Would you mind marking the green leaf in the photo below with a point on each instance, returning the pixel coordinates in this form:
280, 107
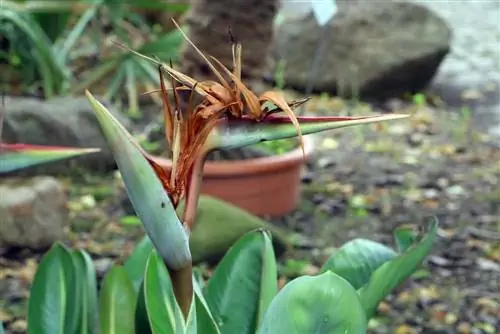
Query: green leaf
18, 156
52, 72
356, 260
204, 317
323, 304
239, 133
54, 303
136, 262
141, 313
210, 238
243, 284
89, 318
1, 328
147, 195
394, 272
117, 303
163, 311
405, 237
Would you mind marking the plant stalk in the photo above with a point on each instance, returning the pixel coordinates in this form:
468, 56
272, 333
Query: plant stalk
182, 284
193, 193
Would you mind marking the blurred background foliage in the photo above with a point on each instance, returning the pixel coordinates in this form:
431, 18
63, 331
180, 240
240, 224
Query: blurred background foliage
50, 48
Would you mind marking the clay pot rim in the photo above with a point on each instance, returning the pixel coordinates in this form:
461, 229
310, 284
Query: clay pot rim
262, 165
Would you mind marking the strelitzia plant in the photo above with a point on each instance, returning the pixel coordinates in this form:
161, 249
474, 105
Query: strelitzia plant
14, 157
156, 291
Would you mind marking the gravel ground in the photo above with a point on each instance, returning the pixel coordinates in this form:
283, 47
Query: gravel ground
470, 74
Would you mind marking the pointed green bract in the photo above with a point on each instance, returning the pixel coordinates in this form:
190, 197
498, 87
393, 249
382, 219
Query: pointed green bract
18, 156
239, 133
146, 192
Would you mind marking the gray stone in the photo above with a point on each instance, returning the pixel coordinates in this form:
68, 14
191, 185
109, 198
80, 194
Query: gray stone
33, 212
62, 121
376, 49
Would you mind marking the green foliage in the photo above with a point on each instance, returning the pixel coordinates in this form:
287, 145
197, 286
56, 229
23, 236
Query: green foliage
45, 41
241, 295
20, 156
117, 302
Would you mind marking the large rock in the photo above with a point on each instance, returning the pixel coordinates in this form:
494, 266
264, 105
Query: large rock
33, 212
377, 49
62, 121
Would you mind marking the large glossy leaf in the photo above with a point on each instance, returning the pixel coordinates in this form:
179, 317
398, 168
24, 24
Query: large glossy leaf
323, 304
243, 284
164, 314
394, 272
55, 297
238, 133
356, 260
136, 262
145, 190
117, 303
89, 315
18, 156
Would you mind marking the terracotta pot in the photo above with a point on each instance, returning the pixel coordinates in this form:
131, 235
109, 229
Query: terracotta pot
268, 186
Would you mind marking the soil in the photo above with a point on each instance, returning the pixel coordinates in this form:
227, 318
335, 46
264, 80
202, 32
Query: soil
363, 182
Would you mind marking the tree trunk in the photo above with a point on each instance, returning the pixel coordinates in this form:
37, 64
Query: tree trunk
251, 23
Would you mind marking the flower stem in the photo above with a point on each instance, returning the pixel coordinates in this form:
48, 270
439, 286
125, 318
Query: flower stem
182, 284
193, 193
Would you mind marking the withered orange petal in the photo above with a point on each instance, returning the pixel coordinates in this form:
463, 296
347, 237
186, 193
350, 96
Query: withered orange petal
279, 100
250, 97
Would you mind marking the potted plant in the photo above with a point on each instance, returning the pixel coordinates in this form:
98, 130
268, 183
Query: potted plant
264, 178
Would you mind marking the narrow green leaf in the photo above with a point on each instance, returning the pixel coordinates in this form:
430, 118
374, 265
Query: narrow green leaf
191, 326
243, 284
394, 272
164, 314
141, 313
50, 300
150, 201
136, 262
63, 46
405, 237
52, 72
323, 304
240, 133
117, 303
18, 156
204, 317
89, 319
356, 260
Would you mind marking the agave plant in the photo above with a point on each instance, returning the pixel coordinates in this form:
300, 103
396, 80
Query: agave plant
156, 291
